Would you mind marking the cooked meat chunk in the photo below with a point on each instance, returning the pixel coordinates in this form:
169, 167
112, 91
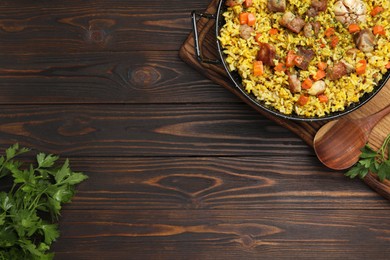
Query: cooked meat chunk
294, 83
266, 54
316, 27
231, 3
340, 10
311, 12
317, 88
245, 31
308, 30
337, 71
296, 25
319, 5
350, 11
316, 7
365, 40
307, 56
352, 52
276, 5
311, 29
350, 68
287, 18
292, 22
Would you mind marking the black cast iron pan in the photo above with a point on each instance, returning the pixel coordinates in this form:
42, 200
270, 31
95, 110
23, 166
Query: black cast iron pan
236, 78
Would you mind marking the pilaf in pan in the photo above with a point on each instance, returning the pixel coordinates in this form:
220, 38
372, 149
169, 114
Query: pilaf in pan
307, 57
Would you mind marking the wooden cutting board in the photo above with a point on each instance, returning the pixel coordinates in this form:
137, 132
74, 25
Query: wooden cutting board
306, 131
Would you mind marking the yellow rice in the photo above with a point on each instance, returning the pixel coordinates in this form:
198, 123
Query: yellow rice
273, 88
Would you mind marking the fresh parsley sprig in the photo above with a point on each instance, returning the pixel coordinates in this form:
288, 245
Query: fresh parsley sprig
377, 162
31, 202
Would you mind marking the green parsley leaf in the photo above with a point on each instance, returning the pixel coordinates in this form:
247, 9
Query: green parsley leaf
2, 219
384, 171
63, 194
372, 161
8, 237
45, 161
11, 151
63, 172
14, 150
374, 167
75, 178
368, 152
30, 248
36, 188
54, 207
19, 175
50, 232
367, 162
359, 170
5, 201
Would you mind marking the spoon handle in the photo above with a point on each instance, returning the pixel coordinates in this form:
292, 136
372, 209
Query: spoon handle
369, 122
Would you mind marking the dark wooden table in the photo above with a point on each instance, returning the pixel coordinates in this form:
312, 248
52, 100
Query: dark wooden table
179, 168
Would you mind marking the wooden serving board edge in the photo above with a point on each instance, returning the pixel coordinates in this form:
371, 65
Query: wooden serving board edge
304, 130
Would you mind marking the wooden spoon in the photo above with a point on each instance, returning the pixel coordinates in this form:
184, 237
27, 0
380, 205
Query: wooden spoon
338, 143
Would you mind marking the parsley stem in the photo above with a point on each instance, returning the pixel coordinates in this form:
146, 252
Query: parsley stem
384, 147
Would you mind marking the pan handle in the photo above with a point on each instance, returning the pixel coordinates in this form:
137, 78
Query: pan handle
195, 15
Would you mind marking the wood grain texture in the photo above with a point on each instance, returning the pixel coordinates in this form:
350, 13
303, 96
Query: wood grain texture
305, 130
217, 183
221, 234
147, 130
334, 138
73, 26
128, 77
179, 168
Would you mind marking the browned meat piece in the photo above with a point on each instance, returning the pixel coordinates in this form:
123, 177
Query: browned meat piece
292, 22
337, 71
311, 12
266, 54
319, 5
307, 56
308, 30
350, 68
365, 40
245, 31
296, 25
287, 18
316, 27
231, 3
352, 52
294, 83
276, 5
311, 29
316, 7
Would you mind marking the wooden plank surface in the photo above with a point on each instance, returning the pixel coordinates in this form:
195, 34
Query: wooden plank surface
125, 77
217, 183
179, 168
111, 26
305, 130
219, 234
145, 129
